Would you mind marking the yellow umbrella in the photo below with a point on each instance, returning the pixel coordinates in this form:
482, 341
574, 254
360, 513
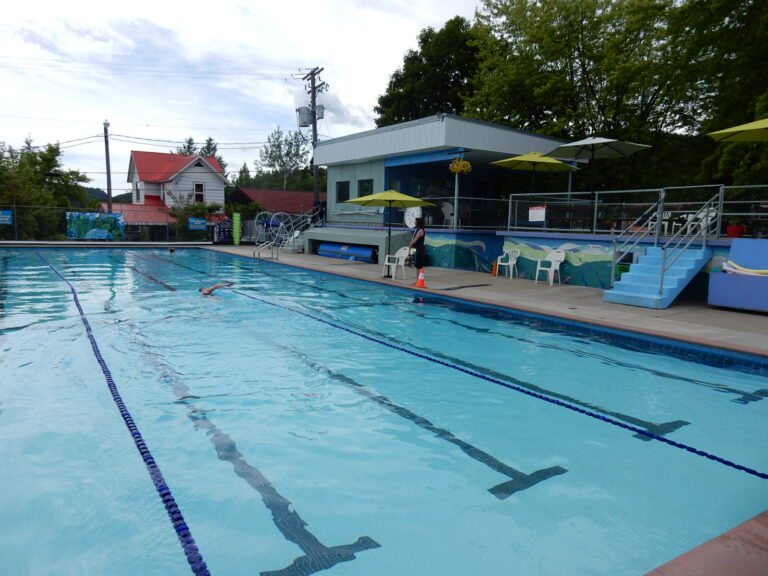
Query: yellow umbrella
751, 132
534, 162
390, 199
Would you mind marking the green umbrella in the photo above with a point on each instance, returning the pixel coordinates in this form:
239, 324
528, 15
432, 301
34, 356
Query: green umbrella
752, 132
534, 162
389, 199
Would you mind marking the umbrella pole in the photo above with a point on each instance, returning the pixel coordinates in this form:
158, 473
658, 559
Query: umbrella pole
389, 238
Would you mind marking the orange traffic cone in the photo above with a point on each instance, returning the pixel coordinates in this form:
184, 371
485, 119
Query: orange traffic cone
420, 281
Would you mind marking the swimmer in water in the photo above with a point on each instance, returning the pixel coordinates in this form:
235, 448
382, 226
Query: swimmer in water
209, 290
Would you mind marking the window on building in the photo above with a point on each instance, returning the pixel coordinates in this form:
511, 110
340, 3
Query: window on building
364, 187
199, 193
342, 191
138, 195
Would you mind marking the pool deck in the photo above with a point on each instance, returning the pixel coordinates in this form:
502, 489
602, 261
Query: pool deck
742, 550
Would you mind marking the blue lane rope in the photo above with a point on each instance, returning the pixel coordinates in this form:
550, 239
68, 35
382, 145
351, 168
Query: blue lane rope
520, 389
188, 544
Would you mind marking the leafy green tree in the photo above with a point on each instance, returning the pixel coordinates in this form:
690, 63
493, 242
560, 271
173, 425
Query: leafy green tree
578, 68
183, 206
726, 42
284, 154
437, 77
34, 183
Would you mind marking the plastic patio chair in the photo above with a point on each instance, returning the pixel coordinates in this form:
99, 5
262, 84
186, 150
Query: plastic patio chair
551, 266
508, 259
701, 220
393, 262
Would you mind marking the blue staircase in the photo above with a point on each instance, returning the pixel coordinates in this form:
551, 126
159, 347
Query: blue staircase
640, 285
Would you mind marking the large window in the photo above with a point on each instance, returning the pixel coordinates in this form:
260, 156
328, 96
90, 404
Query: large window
364, 187
342, 191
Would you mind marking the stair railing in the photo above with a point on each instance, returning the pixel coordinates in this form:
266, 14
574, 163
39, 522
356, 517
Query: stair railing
703, 224
644, 225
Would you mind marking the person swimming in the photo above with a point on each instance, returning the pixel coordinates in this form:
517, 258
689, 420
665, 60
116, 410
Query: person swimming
207, 291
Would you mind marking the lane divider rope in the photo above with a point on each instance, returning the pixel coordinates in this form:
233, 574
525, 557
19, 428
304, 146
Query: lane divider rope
184, 534
536, 395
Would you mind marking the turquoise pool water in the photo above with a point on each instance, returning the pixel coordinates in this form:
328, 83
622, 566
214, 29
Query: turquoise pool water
299, 423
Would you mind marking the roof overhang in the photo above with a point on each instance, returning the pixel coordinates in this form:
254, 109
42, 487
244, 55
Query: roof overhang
435, 138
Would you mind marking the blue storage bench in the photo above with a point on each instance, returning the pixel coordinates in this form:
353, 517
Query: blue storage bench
346, 251
742, 290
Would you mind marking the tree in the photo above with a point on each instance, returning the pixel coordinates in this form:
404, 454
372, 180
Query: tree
34, 183
578, 68
725, 39
435, 78
243, 178
189, 148
182, 207
284, 154
208, 150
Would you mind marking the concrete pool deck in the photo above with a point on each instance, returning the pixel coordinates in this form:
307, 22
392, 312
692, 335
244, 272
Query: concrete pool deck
742, 550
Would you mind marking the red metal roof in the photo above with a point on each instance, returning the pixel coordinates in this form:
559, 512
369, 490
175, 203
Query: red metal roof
153, 211
290, 201
159, 167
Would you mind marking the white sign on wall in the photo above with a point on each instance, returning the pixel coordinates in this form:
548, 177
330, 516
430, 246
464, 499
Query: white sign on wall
537, 213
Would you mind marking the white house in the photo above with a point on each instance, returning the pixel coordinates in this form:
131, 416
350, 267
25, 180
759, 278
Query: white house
175, 179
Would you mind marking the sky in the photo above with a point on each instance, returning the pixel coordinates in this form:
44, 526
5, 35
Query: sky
163, 71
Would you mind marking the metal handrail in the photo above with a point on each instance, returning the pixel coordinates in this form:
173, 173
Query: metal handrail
698, 225
274, 250
640, 229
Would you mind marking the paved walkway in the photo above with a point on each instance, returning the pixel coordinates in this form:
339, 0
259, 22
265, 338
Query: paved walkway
687, 321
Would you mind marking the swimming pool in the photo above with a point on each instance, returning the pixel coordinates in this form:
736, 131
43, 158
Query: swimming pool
300, 422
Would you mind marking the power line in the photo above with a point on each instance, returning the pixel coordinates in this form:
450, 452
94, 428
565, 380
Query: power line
133, 69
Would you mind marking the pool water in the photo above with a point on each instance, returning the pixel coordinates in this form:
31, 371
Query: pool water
308, 423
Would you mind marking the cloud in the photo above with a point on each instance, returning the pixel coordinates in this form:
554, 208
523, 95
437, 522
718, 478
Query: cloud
165, 71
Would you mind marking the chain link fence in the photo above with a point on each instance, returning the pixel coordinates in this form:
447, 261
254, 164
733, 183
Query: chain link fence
56, 223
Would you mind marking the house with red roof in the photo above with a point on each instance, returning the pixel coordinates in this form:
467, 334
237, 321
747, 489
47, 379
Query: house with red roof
160, 181
288, 201
176, 178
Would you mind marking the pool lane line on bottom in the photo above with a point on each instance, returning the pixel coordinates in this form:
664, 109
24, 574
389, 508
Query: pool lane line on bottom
660, 429
516, 388
522, 390
291, 525
518, 480
184, 534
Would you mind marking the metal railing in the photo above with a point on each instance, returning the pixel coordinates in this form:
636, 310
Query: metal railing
600, 212
701, 225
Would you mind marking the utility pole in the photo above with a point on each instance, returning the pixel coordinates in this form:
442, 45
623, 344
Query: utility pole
314, 86
109, 171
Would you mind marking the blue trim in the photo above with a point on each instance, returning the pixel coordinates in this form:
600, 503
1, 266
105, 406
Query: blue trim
423, 157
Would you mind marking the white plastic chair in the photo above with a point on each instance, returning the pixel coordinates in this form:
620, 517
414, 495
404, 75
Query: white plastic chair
701, 220
448, 216
393, 262
551, 266
508, 259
